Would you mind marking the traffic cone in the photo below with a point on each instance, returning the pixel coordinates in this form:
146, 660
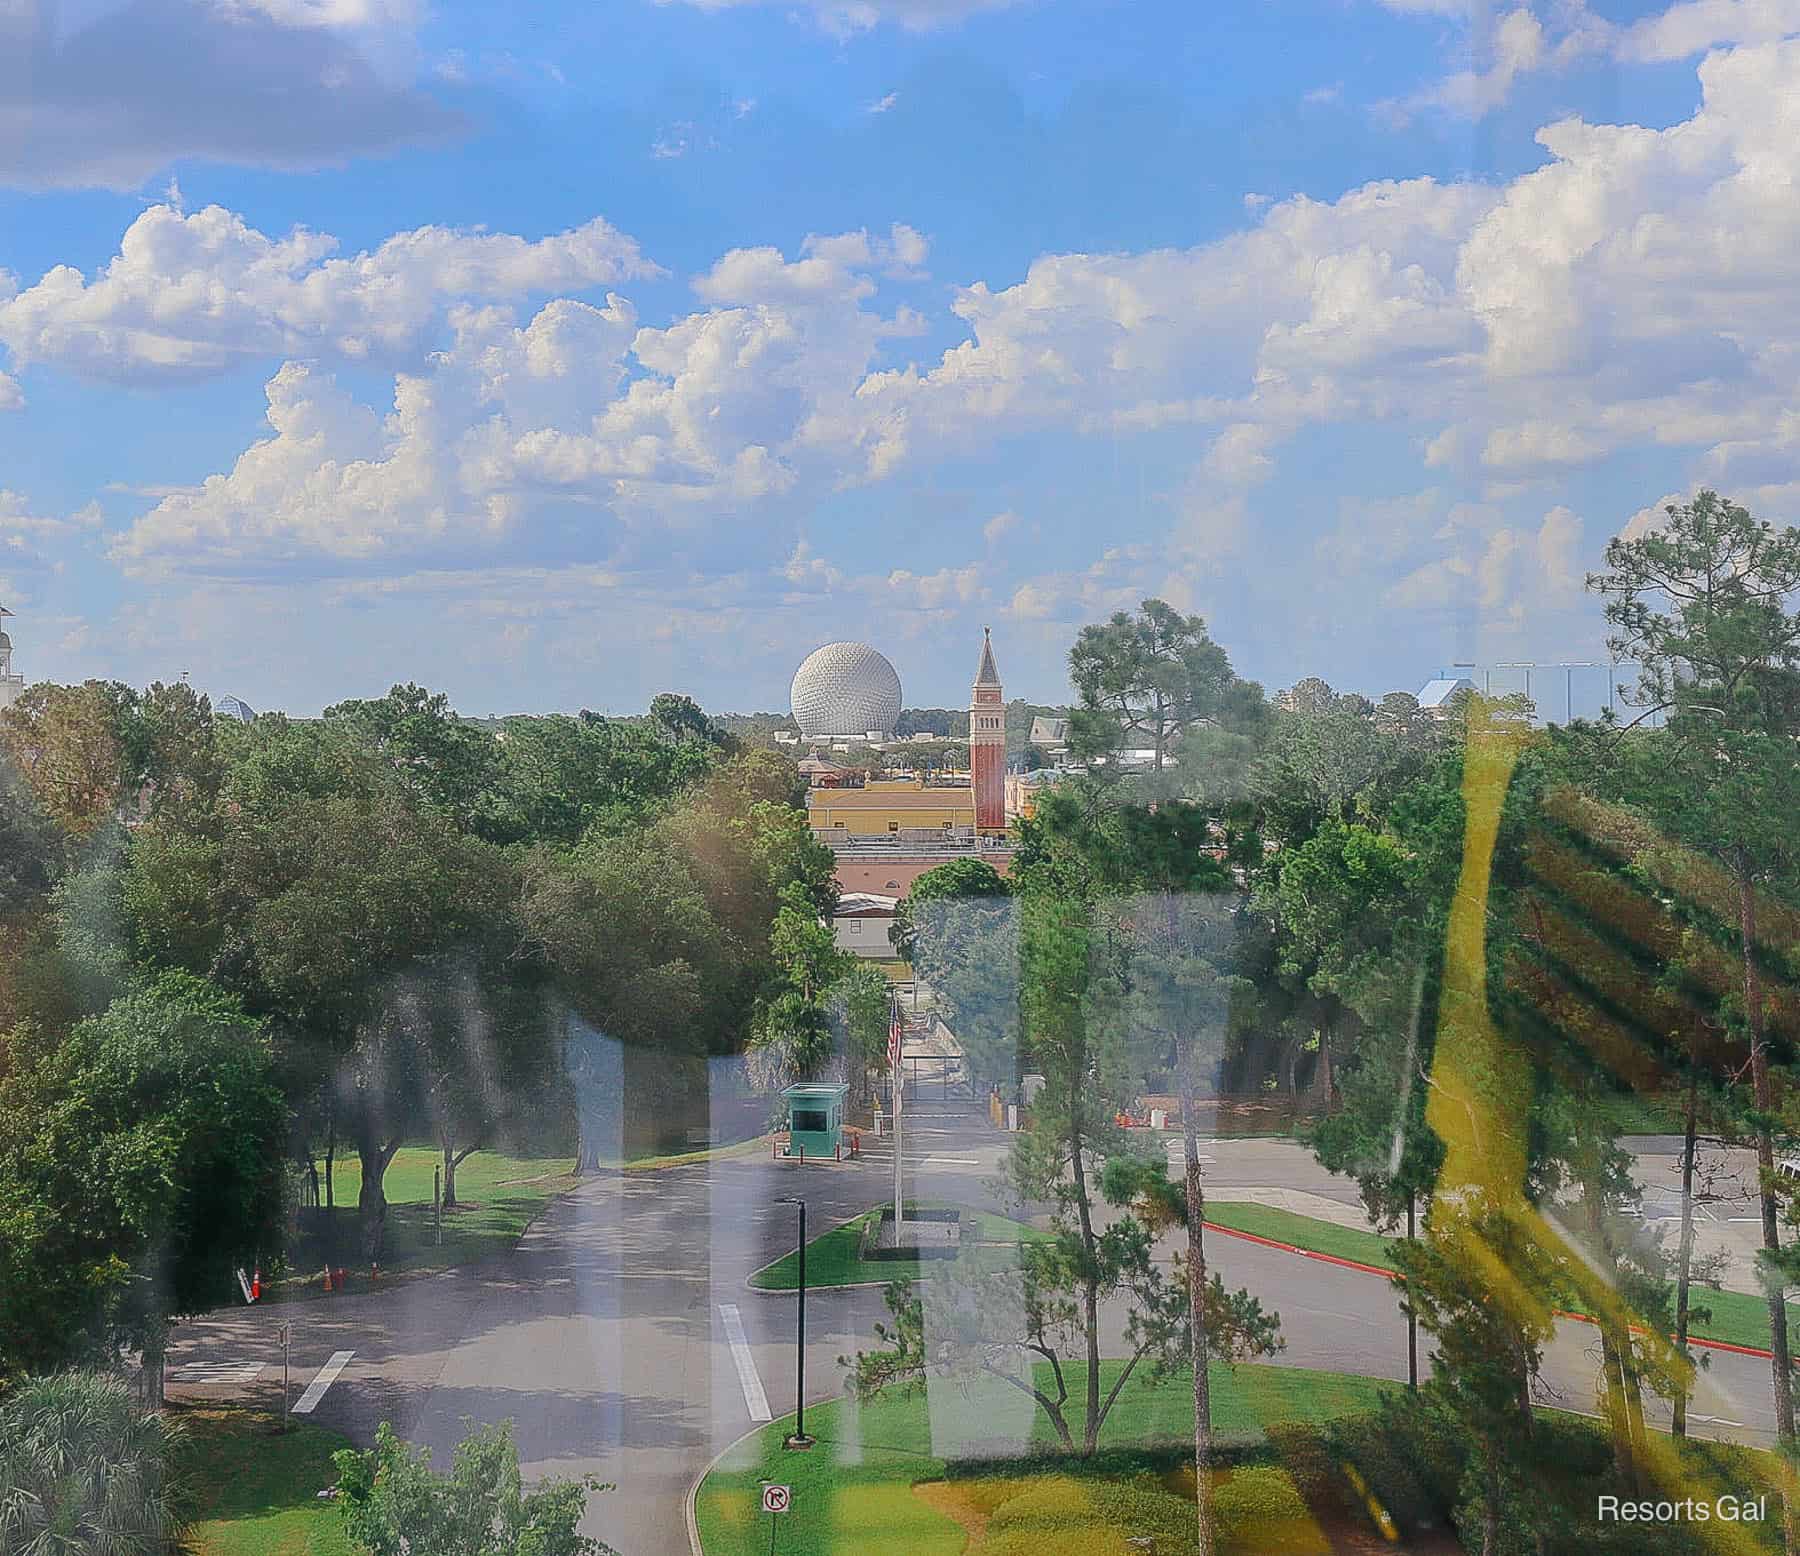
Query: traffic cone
328, 1277
256, 1285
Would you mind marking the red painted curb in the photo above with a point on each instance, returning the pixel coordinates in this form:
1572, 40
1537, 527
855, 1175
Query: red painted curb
1304, 1253
1395, 1275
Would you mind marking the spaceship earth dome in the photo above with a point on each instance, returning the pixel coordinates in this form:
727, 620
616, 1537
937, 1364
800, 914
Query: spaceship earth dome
845, 689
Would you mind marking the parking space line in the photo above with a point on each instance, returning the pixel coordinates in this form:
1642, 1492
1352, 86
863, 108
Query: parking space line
755, 1400
328, 1375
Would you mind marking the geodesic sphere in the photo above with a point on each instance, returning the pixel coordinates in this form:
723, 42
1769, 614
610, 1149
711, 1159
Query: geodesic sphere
845, 689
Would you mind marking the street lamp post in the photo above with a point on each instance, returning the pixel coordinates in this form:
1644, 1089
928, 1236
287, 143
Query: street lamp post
799, 1439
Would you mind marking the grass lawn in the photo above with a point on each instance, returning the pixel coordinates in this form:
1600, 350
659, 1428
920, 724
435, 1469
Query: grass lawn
1284, 1226
499, 1196
257, 1488
1737, 1317
852, 1492
831, 1257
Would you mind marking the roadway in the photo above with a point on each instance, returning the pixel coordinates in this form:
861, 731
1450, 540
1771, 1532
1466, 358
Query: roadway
607, 1335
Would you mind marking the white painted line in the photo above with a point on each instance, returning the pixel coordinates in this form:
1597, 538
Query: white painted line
1751, 1220
1715, 1420
755, 1400
328, 1375
952, 1161
216, 1372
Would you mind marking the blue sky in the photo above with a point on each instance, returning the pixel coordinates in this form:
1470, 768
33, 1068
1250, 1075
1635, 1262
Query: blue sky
556, 356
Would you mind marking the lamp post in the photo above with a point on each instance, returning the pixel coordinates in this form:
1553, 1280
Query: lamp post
799, 1439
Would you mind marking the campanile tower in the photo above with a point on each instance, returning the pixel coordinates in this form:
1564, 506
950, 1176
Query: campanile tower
987, 743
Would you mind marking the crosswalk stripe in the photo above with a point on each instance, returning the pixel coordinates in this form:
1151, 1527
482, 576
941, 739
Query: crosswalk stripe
216, 1372
315, 1391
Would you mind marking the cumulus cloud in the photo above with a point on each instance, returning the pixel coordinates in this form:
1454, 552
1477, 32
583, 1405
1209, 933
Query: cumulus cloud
193, 295
580, 413
1634, 291
1522, 43
1693, 26
12, 397
276, 83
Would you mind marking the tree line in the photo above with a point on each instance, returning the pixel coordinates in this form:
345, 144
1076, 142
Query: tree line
230, 951
1492, 951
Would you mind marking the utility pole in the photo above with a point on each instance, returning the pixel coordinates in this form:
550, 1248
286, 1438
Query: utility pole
799, 1439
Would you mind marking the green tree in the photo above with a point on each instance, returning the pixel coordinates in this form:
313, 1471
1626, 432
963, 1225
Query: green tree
958, 880
1704, 605
84, 1467
860, 1006
450, 764
395, 1504
1490, 1340
140, 1163
1147, 678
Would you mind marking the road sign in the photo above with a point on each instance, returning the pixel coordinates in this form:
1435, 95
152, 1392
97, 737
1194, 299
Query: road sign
776, 1499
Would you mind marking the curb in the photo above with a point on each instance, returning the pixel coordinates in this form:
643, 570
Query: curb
1304, 1253
1395, 1276
693, 1491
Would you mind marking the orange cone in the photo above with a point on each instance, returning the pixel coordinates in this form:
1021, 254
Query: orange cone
328, 1277
256, 1285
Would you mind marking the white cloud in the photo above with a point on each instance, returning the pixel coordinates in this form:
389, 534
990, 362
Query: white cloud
1520, 44
31, 541
608, 427
1634, 291
883, 104
999, 527
12, 397
1693, 26
844, 17
192, 295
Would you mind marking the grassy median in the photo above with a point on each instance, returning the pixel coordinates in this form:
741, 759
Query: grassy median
833, 1257
875, 1481
1736, 1317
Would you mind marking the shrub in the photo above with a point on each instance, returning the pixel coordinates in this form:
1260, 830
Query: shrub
83, 1468
1260, 1511
1084, 1517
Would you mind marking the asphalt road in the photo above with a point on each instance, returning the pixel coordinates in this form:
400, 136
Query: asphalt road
605, 1336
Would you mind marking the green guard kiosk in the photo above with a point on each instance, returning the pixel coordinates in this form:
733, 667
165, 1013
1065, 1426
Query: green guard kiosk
815, 1119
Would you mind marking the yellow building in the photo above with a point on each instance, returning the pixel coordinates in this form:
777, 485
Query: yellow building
906, 808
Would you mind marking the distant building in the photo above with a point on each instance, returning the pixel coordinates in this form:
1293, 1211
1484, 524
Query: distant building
1435, 695
861, 924
987, 742
1050, 735
229, 707
12, 687
846, 691
1022, 790
903, 809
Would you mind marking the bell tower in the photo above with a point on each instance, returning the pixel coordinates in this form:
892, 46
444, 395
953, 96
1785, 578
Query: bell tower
12, 686
987, 743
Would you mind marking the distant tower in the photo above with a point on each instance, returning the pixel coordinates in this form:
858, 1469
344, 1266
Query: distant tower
12, 687
987, 743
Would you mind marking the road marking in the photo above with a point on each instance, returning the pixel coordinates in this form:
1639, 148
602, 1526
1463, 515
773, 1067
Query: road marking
328, 1375
755, 1400
952, 1161
216, 1372
1715, 1420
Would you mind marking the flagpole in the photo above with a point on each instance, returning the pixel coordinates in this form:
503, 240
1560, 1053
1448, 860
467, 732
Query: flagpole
895, 1045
